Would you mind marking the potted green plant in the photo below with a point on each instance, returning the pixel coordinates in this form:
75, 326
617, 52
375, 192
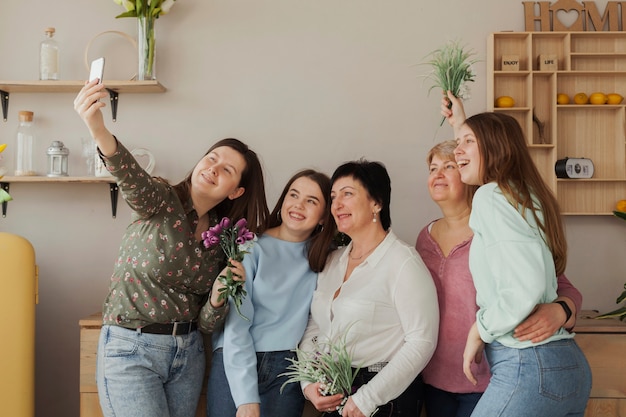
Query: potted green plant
619, 313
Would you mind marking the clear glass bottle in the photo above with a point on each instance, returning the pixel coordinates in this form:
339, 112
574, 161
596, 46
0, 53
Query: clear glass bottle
49, 57
25, 144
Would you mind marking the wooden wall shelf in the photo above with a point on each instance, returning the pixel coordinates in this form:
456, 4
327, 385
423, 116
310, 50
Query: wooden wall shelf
6, 181
151, 86
113, 87
587, 62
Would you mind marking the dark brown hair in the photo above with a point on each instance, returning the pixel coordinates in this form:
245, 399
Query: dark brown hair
319, 246
374, 177
252, 205
506, 160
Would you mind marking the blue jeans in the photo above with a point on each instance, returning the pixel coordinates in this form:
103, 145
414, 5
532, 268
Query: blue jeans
440, 403
289, 403
553, 380
148, 375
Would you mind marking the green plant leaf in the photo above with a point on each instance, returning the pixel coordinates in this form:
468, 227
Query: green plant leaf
620, 313
620, 214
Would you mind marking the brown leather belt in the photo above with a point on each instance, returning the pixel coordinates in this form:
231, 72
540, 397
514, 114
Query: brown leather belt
174, 329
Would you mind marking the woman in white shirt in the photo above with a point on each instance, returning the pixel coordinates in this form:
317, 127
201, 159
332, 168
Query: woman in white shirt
378, 292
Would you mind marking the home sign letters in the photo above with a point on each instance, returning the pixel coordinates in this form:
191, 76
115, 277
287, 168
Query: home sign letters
570, 15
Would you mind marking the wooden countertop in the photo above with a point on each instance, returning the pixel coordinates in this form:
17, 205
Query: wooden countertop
94, 320
586, 323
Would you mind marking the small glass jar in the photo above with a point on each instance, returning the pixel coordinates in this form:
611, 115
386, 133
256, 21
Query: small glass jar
57, 159
49, 56
24, 145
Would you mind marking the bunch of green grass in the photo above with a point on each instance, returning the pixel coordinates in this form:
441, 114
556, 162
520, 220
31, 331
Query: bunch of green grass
329, 363
451, 68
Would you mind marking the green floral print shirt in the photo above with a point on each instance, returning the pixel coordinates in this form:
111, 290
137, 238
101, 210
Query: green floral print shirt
162, 273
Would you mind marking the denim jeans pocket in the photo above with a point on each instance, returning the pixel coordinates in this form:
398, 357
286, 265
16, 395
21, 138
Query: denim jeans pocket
271, 364
559, 370
118, 345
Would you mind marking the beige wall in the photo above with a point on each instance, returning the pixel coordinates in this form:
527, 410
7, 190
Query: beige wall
306, 83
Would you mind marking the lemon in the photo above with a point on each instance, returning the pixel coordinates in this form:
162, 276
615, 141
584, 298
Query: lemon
621, 205
581, 98
598, 98
3, 147
614, 98
505, 101
562, 98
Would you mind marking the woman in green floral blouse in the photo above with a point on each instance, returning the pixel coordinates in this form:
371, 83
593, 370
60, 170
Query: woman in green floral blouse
150, 355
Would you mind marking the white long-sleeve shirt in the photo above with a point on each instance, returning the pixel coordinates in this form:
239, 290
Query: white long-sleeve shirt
389, 304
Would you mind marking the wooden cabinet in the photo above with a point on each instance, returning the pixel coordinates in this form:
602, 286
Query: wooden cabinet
89, 335
586, 62
604, 345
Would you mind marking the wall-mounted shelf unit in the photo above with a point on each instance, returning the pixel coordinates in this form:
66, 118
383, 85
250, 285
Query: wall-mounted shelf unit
115, 88
6, 181
588, 62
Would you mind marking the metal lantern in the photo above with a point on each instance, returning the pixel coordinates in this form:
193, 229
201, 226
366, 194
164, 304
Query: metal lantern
57, 159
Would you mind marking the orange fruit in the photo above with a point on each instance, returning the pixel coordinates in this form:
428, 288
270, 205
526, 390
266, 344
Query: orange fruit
581, 98
562, 98
621, 205
598, 98
614, 98
505, 101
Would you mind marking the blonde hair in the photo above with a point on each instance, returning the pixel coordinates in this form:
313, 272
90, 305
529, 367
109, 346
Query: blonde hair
445, 151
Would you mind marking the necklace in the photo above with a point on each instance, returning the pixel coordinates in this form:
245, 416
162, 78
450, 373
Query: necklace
356, 258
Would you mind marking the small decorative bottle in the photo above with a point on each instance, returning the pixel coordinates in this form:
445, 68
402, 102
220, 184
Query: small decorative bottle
49, 57
25, 143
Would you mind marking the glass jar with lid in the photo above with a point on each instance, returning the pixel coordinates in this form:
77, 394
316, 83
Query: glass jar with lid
25, 145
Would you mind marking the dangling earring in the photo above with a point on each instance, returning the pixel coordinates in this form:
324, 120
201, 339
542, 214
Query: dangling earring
278, 217
374, 217
319, 228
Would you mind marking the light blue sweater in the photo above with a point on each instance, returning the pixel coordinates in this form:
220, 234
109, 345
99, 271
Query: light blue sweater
511, 265
280, 286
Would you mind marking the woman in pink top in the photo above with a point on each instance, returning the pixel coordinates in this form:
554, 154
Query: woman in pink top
444, 246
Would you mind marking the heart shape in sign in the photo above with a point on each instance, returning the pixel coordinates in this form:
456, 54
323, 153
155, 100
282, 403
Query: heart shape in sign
568, 18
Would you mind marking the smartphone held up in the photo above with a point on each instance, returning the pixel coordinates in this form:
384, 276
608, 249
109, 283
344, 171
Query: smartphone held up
97, 69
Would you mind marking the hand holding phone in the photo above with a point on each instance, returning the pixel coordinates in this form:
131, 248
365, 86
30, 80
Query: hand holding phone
97, 69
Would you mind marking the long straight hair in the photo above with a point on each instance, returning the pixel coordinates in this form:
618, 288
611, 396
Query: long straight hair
506, 160
320, 243
252, 205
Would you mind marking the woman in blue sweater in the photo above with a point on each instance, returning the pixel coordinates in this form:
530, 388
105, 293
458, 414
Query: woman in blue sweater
281, 271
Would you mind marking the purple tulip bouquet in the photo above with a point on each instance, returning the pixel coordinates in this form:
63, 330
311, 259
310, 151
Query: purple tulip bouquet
235, 240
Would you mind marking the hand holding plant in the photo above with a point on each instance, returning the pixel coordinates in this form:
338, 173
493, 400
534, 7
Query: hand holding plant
330, 364
451, 69
235, 240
